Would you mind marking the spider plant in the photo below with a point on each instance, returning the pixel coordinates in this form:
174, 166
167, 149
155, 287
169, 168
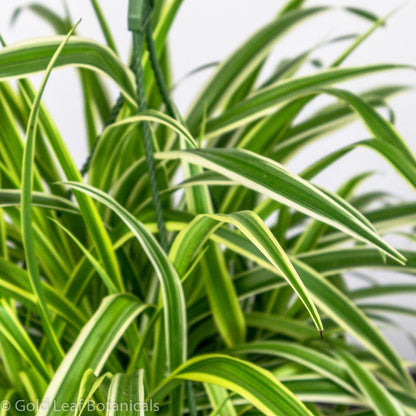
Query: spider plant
150, 277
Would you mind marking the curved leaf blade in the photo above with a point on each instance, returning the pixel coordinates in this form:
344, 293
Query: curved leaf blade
274, 180
199, 230
91, 349
381, 400
26, 58
173, 298
255, 384
265, 100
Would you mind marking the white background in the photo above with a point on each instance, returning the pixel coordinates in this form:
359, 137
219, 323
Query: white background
208, 30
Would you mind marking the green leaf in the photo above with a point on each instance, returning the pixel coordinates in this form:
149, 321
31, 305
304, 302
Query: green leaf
173, 299
221, 293
341, 310
378, 126
321, 390
327, 120
90, 383
89, 212
269, 98
104, 25
291, 5
332, 302
275, 181
126, 395
380, 399
253, 383
101, 272
309, 238
47, 14
394, 289
11, 197
15, 333
385, 219
332, 261
91, 349
321, 363
363, 13
14, 284
220, 401
199, 230
21, 60
227, 77
288, 327
377, 23
158, 117
26, 210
